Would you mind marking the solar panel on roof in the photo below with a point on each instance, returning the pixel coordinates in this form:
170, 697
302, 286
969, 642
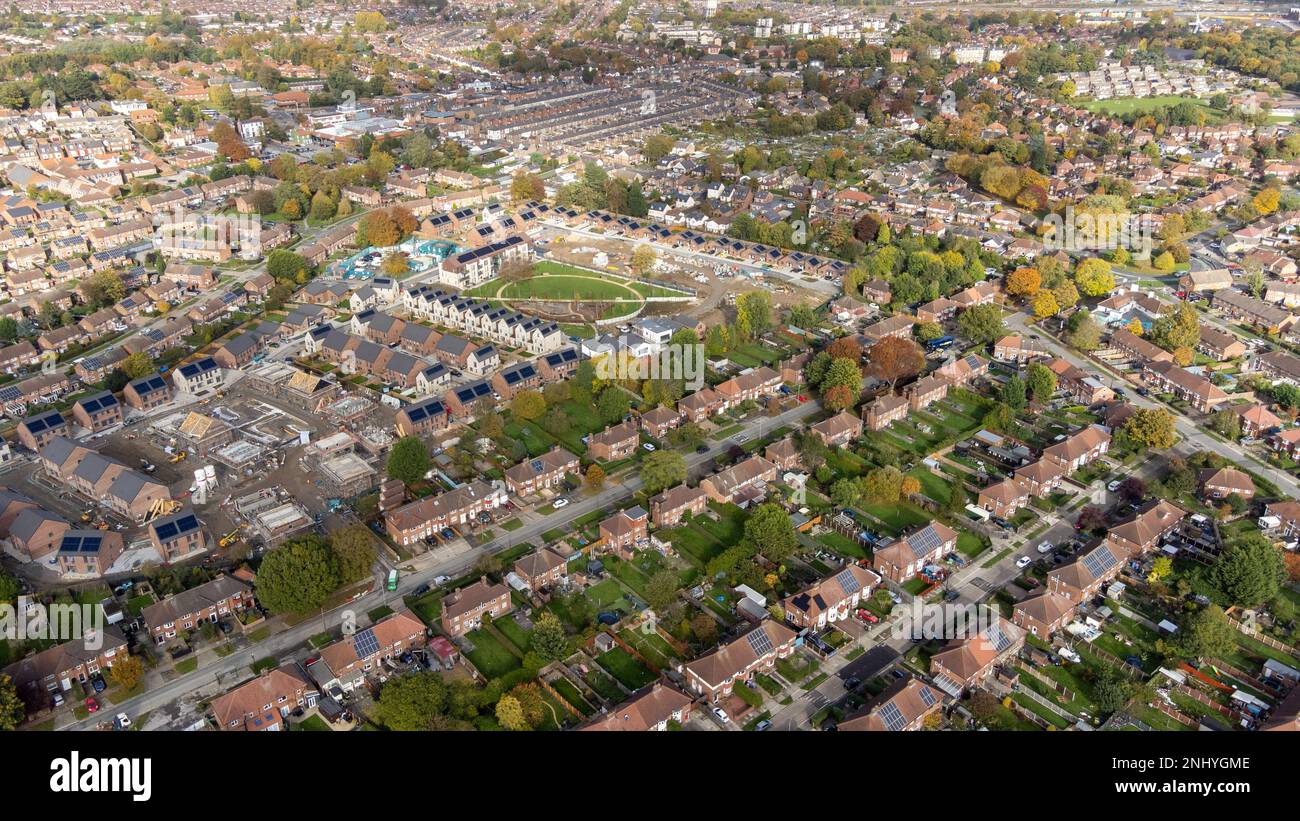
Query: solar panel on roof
927, 696
365, 643
998, 638
847, 582
924, 542
1092, 564
759, 642
892, 717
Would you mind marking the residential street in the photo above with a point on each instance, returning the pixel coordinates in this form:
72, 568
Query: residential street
204, 681
1194, 436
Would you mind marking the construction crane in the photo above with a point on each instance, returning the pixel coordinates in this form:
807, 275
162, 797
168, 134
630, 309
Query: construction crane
229, 539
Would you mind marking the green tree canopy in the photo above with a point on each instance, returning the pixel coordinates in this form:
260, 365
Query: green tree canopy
298, 576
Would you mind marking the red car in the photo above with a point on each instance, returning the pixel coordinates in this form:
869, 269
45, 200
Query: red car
91, 704
868, 616
803, 398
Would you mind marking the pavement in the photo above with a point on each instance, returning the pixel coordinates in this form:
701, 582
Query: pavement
280, 645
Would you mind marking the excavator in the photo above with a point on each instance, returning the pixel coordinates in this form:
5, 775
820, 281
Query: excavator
178, 456
229, 539
162, 507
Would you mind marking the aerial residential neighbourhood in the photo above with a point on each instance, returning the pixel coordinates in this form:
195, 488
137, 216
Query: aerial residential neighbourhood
621, 365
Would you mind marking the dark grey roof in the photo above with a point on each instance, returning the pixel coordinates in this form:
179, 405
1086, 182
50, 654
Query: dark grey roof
58, 449
30, 520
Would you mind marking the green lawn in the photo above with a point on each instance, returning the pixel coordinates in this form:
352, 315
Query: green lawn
573, 695
511, 630
970, 545
631, 673
899, 517
491, 659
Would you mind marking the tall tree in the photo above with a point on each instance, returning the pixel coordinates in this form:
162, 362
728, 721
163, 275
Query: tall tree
408, 460
894, 358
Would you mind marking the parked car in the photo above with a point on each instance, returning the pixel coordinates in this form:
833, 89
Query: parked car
1046, 547
91, 704
1023, 562
647, 447
121, 721
559, 503
762, 726
721, 715
1113, 485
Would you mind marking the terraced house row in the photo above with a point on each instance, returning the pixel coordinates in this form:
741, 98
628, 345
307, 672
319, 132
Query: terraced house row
477, 318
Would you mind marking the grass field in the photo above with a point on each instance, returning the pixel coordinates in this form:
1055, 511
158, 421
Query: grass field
1121, 106
591, 289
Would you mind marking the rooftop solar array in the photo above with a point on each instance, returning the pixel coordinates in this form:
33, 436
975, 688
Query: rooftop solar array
425, 409
892, 716
759, 642
74, 542
98, 402
927, 695
519, 373
1099, 561
478, 390
365, 643
561, 357
44, 422
488, 250
924, 542
202, 366
997, 637
149, 384
178, 526
847, 582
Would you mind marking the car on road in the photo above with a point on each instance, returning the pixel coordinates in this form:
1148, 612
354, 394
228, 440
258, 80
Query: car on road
1046, 547
646, 446
721, 715
421, 590
702, 449
441, 580
1023, 562
1113, 485
559, 503
742, 438
852, 682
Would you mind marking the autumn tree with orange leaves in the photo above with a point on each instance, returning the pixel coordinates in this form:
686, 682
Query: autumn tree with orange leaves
894, 358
